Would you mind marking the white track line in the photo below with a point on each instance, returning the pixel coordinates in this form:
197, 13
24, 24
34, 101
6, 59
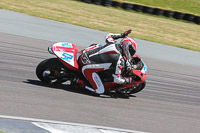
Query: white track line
43, 122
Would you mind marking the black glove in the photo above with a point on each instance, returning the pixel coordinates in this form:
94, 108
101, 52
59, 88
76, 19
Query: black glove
126, 33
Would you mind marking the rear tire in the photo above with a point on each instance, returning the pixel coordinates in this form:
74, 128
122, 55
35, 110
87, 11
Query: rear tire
50, 70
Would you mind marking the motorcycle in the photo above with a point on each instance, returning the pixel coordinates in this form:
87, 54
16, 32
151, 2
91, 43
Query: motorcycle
65, 68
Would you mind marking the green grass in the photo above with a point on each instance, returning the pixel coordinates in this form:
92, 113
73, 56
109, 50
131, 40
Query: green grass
186, 6
148, 27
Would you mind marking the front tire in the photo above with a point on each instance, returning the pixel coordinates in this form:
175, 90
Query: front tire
138, 88
50, 70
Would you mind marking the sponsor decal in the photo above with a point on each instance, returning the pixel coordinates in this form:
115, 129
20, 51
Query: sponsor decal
69, 45
144, 70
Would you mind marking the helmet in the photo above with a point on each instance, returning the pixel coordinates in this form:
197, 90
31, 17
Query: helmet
129, 47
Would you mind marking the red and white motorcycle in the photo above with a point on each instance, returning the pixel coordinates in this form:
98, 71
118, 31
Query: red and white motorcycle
65, 68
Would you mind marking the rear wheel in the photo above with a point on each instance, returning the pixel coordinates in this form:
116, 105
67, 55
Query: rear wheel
51, 71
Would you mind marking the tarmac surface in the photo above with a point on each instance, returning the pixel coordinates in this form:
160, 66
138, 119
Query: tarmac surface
169, 103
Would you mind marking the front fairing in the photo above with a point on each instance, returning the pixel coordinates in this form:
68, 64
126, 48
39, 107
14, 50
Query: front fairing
144, 69
139, 70
138, 73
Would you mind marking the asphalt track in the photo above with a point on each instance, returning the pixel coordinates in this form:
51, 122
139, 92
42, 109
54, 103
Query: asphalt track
169, 103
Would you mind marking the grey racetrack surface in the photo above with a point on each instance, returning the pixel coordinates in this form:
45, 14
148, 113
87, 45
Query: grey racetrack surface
170, 103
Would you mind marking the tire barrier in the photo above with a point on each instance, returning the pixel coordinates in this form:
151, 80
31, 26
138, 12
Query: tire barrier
107, 3
137, 8
97, 2
188, 17
87, 1
127, 6
197, 20
158, 11
116, 4
178, 15
168, 13
146, 9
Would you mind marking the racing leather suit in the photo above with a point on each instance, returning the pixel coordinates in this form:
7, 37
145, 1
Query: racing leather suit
95, 59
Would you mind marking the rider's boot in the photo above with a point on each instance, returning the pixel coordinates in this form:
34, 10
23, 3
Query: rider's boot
76, 82
93, 91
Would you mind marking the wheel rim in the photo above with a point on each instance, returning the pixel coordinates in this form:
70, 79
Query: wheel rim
53, 74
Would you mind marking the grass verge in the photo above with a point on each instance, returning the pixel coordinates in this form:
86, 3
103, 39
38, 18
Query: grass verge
147, 27
185, 6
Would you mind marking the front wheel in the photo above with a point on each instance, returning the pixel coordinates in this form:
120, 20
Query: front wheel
133, 90
138, 88
50, 70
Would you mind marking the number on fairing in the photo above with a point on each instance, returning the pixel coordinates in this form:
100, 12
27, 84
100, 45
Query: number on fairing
67, 57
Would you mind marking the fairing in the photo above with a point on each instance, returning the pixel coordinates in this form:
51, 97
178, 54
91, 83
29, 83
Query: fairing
66, 52
139, 72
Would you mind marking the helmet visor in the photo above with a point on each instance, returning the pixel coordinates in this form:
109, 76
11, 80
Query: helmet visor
131, 50
128, 51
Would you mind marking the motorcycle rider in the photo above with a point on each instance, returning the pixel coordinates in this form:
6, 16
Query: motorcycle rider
99, 58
